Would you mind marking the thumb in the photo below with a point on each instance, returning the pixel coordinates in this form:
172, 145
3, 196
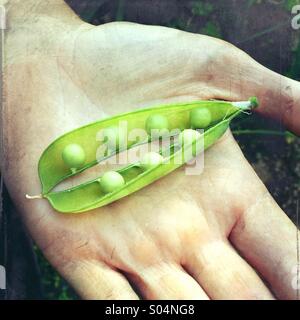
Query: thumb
279, 96
280, 99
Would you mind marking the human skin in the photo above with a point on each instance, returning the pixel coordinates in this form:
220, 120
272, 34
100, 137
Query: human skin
219, 235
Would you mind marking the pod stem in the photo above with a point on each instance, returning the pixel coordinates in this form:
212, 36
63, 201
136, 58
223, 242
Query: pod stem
252, 103
39, 196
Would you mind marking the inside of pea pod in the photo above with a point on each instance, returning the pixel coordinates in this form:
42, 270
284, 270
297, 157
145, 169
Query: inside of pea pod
125, 162
83, 187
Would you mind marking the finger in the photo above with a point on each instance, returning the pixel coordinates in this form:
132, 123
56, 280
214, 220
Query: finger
268, 240
168, 282
279, 96
95, 281
223, 274
263, 234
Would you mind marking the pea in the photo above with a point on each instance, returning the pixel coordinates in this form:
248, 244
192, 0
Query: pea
187, 137
73, 156
150, 160
157, 125
200, 118
111, 181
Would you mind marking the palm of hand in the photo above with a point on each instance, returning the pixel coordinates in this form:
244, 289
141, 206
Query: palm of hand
169, 237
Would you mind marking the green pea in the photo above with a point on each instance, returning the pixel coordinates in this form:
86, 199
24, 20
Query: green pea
111, 181
157, 125
73, 156
150, 160
187, 137
200, 118
115, 137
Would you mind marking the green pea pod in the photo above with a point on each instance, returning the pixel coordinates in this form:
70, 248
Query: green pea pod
88, 196
52, 168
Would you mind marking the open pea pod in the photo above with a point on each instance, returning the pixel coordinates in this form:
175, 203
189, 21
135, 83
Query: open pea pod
90, 195
52, 168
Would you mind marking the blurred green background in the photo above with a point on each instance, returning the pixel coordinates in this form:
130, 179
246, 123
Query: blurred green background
263, 29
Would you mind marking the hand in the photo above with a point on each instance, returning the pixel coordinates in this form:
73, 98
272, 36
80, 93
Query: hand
219, 235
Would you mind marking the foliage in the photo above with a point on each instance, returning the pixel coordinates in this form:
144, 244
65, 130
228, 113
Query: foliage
211, 29
294, 71
54, 287
289, 4
200, 8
